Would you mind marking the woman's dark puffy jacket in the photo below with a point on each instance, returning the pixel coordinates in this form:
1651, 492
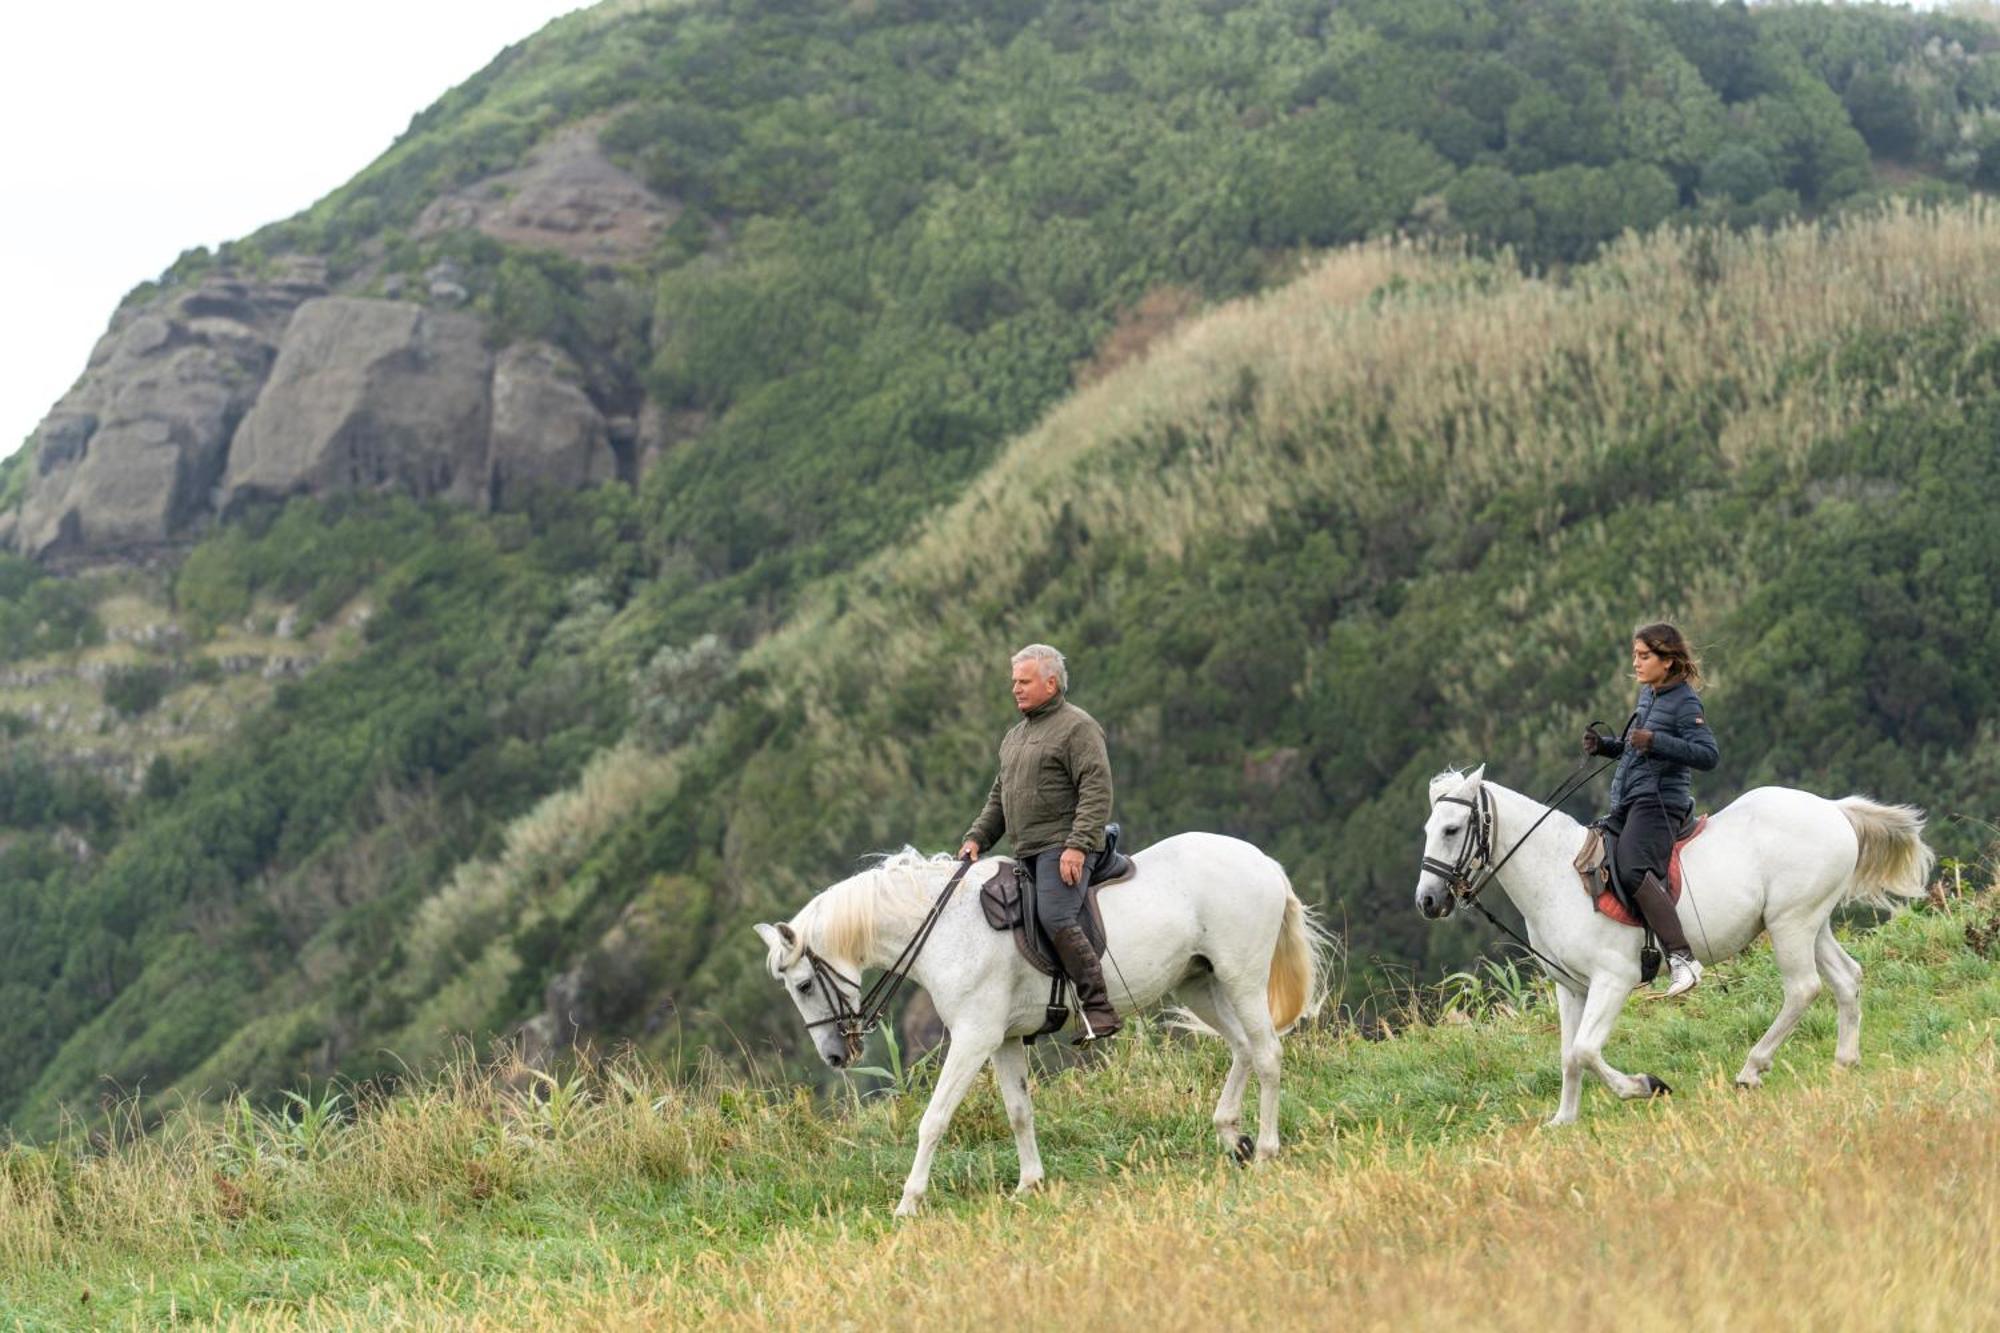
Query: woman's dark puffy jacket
1681, 741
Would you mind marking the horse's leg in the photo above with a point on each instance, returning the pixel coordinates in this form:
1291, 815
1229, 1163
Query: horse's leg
1207, 1002
1792, 944
1246, 996
1010, 1068
1843, 977
1600, 1012
967, 1054
1570, 1005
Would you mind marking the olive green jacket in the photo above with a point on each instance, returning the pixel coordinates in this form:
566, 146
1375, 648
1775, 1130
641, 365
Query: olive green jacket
1054, 787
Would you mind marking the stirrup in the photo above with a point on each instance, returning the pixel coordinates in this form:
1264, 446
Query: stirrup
1089, 1036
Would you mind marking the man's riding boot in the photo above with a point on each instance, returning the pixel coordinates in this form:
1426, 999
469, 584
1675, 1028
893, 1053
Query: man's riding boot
1665, 922
1080, 962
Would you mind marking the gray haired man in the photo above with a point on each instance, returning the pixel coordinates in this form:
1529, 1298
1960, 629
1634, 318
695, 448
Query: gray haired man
1053, 797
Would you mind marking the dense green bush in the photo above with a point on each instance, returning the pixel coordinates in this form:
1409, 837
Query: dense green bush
130, 691
41, 614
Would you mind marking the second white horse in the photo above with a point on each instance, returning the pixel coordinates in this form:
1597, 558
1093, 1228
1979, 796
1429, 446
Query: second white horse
1775, 859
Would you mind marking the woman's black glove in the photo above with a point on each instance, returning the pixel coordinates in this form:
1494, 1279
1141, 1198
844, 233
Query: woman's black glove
1608, 746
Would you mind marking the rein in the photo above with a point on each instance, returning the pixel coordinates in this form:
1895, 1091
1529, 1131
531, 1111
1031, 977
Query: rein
854, 1022
1466, 881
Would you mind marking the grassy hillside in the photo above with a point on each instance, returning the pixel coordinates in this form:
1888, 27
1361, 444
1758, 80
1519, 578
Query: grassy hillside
1305, 548
1402, 513
1785, 442
1416, 1189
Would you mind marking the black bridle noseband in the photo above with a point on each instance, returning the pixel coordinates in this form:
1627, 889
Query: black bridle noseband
856, 1020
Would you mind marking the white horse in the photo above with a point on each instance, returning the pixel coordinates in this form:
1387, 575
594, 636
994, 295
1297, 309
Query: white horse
1209, 918
1776, 859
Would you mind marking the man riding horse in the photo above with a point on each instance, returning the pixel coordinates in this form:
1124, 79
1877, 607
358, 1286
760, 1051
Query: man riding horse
1053, 796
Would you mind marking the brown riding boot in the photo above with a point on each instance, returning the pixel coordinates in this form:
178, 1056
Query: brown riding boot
1665, 920
1080, 962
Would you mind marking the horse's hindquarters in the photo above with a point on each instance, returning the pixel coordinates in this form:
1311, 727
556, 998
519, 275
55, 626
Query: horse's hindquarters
1197, 895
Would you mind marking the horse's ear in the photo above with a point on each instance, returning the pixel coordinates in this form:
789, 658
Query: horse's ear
790, 936
1475, 777
781, 940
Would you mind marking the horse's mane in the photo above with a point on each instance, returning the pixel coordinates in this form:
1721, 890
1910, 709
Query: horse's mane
843, 921
1444, 782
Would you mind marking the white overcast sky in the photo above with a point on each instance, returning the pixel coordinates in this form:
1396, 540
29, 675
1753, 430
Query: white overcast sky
134, 129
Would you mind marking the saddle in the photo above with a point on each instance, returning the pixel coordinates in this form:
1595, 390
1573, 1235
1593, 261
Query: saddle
1595, 867
1008, 900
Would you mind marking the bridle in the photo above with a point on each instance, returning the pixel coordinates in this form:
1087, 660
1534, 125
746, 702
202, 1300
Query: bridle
1475, 854
855, 1021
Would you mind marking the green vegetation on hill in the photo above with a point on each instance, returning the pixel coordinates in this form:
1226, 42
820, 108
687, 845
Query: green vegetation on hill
40, 613
904, 225
307, 838
1305, 549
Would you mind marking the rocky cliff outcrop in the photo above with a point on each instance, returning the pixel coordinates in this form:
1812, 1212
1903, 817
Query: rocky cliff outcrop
243, 386
545, 429
241, 390
130, 455
369, 395
566, 197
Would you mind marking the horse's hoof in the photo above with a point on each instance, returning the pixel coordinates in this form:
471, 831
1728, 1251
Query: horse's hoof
907, 1208
1656, 1087
1245, 1150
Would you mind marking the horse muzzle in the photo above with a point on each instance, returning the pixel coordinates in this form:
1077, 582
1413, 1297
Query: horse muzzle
1436, 903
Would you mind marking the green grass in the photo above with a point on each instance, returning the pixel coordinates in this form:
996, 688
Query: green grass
488, 1192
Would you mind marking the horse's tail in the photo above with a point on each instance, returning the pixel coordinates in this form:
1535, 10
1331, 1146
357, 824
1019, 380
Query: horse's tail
1301, 965
1894, 861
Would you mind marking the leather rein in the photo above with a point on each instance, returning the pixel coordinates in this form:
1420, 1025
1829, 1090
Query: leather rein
856, 1020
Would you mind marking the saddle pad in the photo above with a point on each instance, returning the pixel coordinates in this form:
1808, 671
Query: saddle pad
1593, 865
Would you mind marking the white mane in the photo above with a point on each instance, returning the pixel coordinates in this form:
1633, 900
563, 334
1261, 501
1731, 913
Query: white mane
1446, 781
845, 920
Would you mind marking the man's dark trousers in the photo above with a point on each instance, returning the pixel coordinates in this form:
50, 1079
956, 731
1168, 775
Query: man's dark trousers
1058, 904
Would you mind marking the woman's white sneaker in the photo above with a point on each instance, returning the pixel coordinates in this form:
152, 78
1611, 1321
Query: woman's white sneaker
1685, 974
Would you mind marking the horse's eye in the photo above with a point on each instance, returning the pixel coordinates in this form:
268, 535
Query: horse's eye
805, 988
1452, 832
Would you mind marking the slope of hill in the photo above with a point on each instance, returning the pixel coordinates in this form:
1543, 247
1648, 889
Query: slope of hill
1416, 1189
1306, 549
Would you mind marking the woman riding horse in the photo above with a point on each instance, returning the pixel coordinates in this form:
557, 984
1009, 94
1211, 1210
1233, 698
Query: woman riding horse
1651, 796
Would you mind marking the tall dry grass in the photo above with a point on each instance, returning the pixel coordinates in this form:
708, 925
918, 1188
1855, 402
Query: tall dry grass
1852, 1206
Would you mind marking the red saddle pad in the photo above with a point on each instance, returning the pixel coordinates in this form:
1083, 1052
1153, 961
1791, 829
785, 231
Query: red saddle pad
1607, 901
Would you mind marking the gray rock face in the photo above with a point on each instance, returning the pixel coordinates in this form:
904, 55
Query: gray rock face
129, 455
546, 431
566, 197
369, 395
